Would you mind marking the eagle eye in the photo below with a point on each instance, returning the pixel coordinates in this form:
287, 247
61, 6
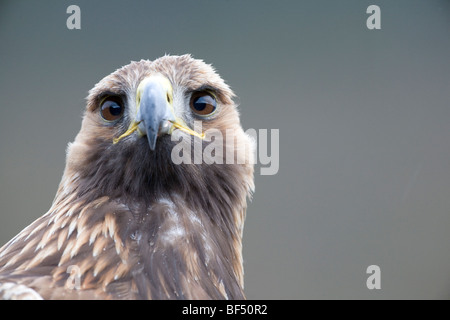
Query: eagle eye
111, 109
203, 103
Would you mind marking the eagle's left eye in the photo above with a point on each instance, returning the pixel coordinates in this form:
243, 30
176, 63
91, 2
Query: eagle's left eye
111, 109
203, 103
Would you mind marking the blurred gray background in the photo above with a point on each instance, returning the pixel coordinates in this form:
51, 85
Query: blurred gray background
363, 117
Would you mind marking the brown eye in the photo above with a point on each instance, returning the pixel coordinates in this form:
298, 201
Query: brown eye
203, 103
111, 109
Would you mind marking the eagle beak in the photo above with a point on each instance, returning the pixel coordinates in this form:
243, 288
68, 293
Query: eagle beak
155, 114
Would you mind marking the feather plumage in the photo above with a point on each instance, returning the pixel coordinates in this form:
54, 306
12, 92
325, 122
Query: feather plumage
128, 223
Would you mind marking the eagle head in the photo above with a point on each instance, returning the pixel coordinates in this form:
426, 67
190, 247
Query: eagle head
136, 116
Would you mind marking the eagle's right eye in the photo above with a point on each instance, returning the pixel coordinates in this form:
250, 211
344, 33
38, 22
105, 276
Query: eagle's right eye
111, 109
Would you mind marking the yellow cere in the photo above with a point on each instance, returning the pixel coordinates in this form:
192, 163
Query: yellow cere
188, 130
134, 126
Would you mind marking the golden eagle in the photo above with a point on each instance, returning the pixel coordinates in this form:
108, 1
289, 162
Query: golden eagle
129, 223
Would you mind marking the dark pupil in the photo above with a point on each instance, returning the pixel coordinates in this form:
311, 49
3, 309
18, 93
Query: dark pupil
199, 106
115, 109
201, 102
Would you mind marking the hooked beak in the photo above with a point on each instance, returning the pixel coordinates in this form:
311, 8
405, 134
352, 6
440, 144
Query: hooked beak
155, 114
